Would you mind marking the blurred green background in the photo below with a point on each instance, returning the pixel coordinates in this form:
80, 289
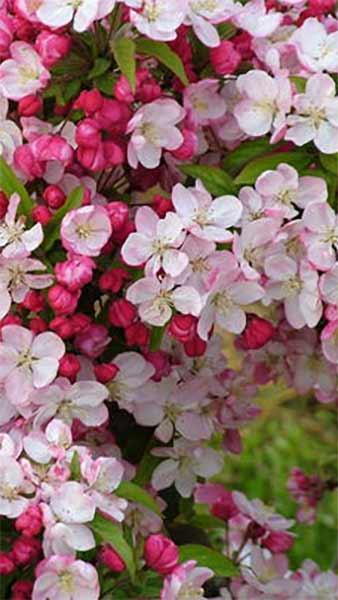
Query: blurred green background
292, 432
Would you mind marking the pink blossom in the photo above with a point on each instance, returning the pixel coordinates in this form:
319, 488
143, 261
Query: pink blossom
256, 20
14, 238
250, 246
161, 554
322, 240
10, 134
202, 15
155, 243
86, 230
65, 578
52, 47
317, 50
23, 73
28, 362
157, 299
204, 217
153, 128
316, 115
298, 286
261, 514
12, 486
104, 475
203, 102
329, 285
329, 338
186, 581
133, 372
268, 576
57, 13
156, 19
265, 102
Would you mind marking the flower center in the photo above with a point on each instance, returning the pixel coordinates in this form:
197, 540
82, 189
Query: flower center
200, 265
223, 302
25, 359
84, 231
190, 592
17, 276
8, 492
27, 74
206, 5
149, 131
292, 286
152, 11
202, 217
317, 115
331, 237
286, 197
66, 582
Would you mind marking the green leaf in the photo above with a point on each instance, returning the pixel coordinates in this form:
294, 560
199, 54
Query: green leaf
207, 522
52, 230
75, 467
300, 83
145, 468
206, 557
71, 89
236, 159
124, 54
110, 533
10, 184
135, 493
105, 83
165, 55
226, 31
101, 65
216, 181
250, 173
157, 334
330, 162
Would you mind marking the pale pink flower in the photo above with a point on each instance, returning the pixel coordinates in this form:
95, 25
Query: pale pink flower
86, 230
185, 461
225, 300
53, 443
157, 19
264, 515
57, 13
155, 243
64, 578
316, 48
318, 585
17, 278
265, 102
203, 258
322, 240
256, 20
10, 134
23, 73
316, 115
203, 102
203, 14
153, 127
204, 217
15, 239
28, 362
134, 371
12, 485
71, 504
282, 190
186, 581
267, 576
104, 475
329, 339
329, 285
7, 409
156, 300
83, 400
297, 285
249, 247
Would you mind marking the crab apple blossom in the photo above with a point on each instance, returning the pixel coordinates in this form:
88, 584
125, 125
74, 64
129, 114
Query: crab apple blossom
10, 133
13, 486
15, 239
155, 243
84, 12
329, 285
202, 15
86, 230
265, 102
133, 371
204, 217
203, 102
315, 116
317, 49
256, 20
23, 73
153, 128
65, 578
156, 19
186, 581
322, 240
329, 338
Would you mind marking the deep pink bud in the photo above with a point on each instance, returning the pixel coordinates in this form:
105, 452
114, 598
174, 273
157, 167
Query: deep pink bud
88, 133
105, 372
188, 147
38, 325
80, 322
137, 334
118, 213
113, 153
92, 341
123, 91
111, 559
3, 204
92, 158
75, 272
22, 590
29, 105
6, 34
34, 301
113, 280
121, 313
159, 360
183, 327
278, 541
162, 205
242, 42
255, 531
25, 161
232, 441
90, 102
41, 214
195, 347
224, 58
224, 508
69, 366
161, 554
11, 320
7, 565
52, 47
61, 300
110, 113
63, 327
54, 196
30, 522
256, 334
26, 550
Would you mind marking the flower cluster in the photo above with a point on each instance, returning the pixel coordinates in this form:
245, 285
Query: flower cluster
167, 182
